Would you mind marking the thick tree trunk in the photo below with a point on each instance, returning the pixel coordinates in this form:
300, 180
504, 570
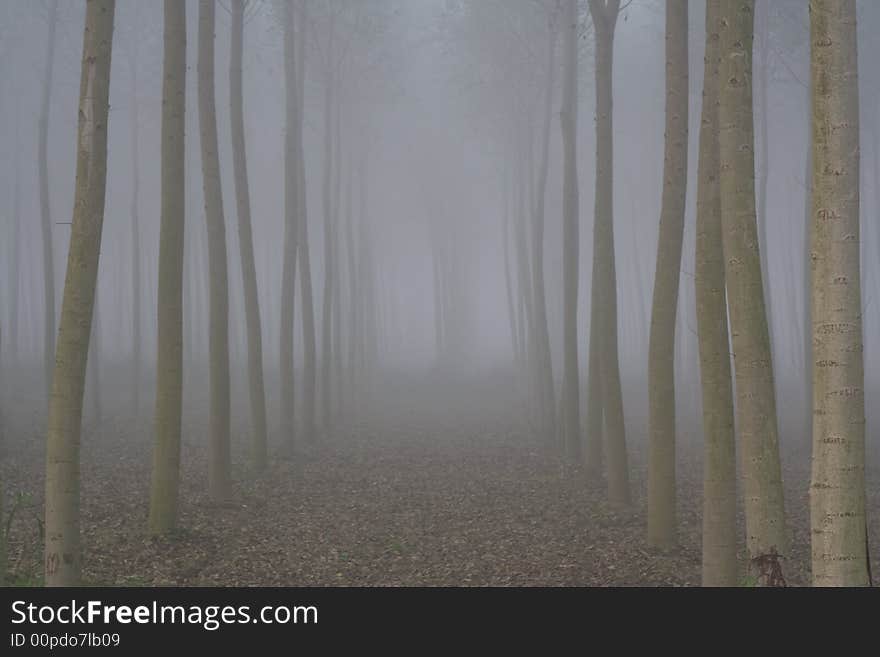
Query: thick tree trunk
837, 489
246, 242
661, 356
719, 457
753, 368
63, 557
604, 13
219, 477
169, 354
570, 208
45, 205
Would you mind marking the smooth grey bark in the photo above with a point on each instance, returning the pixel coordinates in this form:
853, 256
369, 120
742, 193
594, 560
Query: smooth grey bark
661, 346
63, 554
219, 475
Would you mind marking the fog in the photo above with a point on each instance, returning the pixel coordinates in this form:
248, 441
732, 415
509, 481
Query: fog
422, 137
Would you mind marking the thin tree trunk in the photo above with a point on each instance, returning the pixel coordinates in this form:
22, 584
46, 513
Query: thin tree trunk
753, 367
719, 457
246, 242
762, 21
63, 556
542, 337
604, 13
219, 477
837, 489
45, 205
135, 240
327, 297
169, 353
570, 209
661, 356
291, 234
305, 270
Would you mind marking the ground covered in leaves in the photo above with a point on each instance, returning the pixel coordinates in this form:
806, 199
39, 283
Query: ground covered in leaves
431, 488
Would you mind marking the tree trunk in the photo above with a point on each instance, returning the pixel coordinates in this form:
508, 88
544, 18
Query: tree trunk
753, 368
169, 354
45, 205
63, 557
604, 13
305, 270
837, 489
135, 242
291, 234
327, 297
661, 348
219, 478
542, 337
570, 202
719, 457
246, 242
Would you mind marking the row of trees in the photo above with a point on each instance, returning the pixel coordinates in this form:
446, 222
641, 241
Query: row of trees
738, 400
731, 270
340, 66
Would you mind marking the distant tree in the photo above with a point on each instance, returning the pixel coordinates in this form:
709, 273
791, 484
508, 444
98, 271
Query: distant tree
219, 477
568, 118
837, 491
292, 208
45, 205
63, 556
246, 242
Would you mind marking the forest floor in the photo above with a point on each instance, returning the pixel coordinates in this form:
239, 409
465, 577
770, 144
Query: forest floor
418, 493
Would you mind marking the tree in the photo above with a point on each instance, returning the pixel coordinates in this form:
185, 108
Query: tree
661, 349
719, 455
753, 368
568, 119
837, 489
542, 338
135, 228
246, 245
219, 478
603, 311
169, 359
291, 214
305, 269
63, 558
45, 205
